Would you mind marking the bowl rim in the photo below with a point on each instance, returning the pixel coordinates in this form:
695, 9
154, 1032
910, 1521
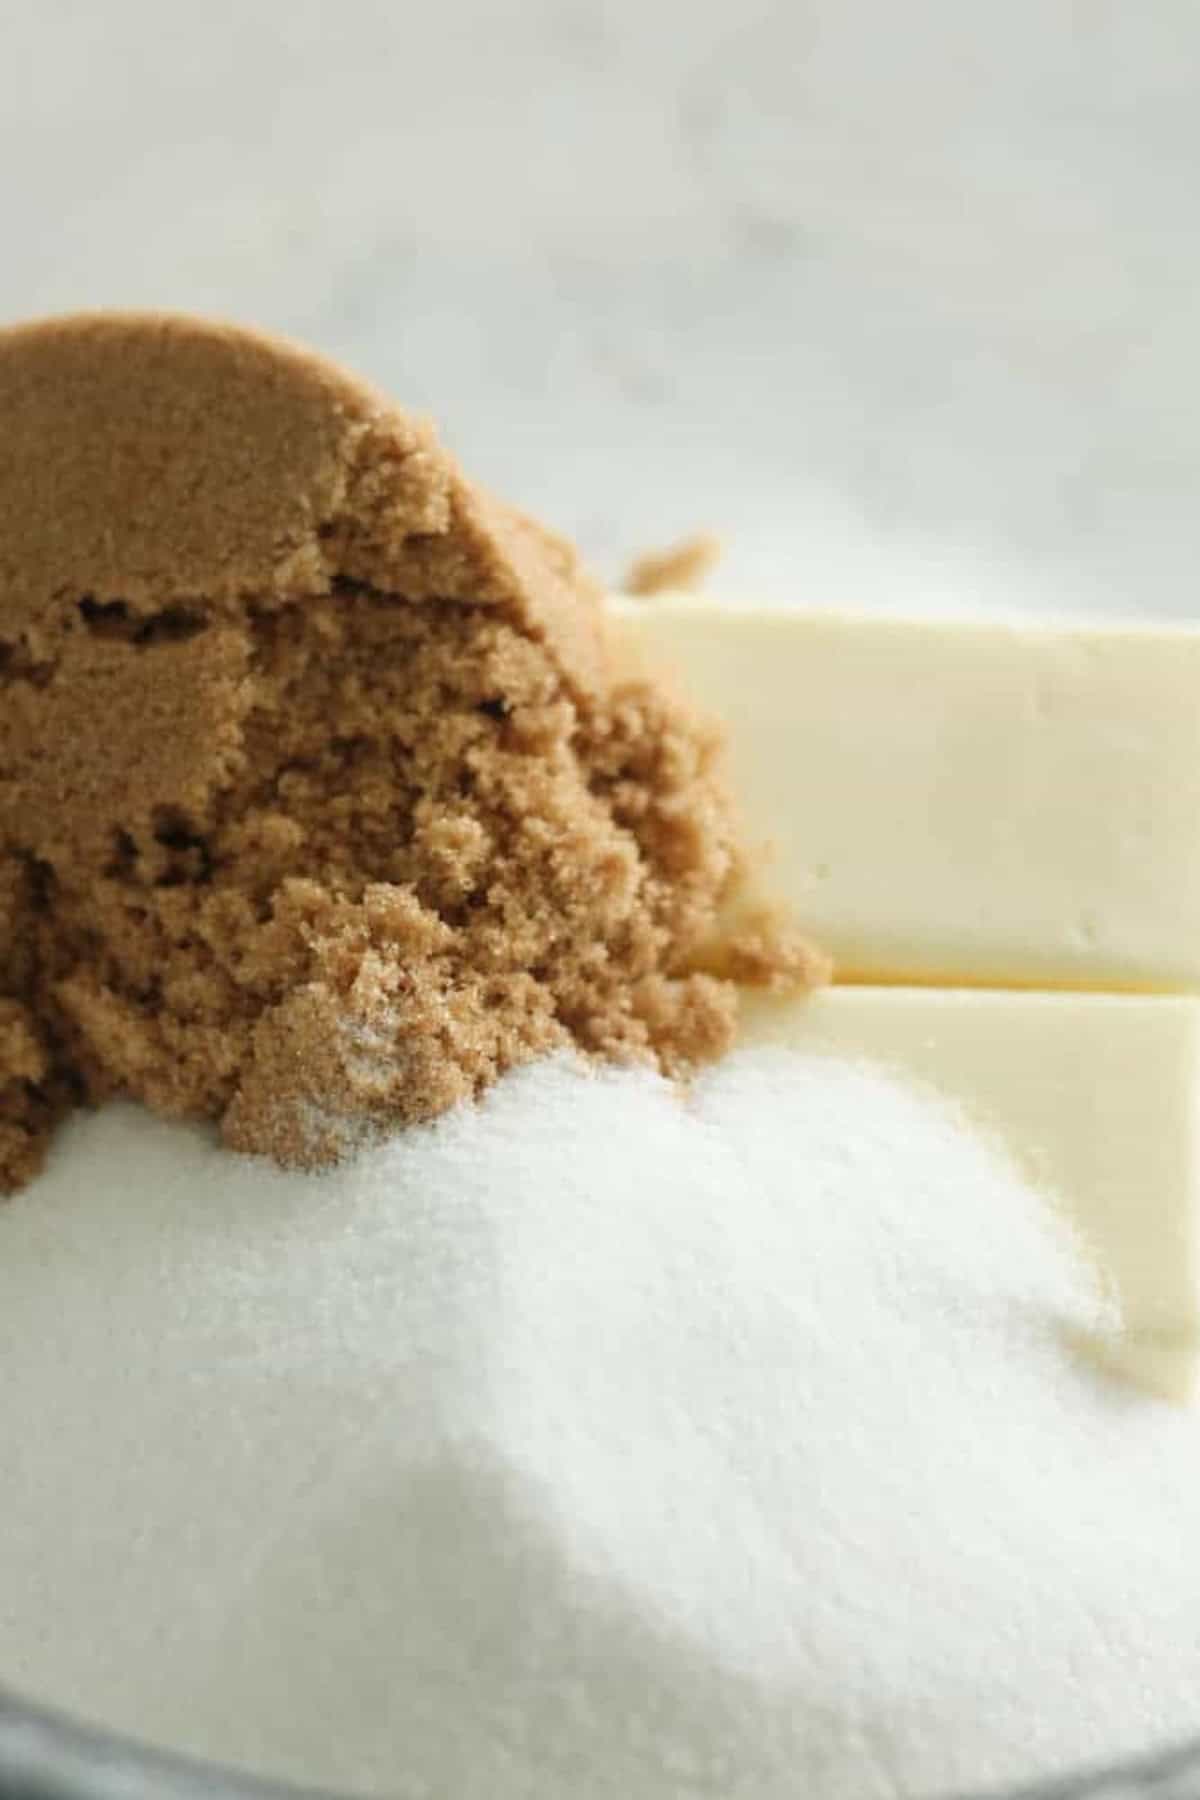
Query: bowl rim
46, 1754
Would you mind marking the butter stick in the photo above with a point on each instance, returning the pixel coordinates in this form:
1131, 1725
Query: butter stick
1093, 1096
961, 801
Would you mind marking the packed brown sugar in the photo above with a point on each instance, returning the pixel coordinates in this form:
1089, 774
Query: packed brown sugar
323, 798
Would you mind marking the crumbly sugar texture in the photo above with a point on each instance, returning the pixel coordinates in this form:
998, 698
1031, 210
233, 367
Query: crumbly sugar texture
324, 799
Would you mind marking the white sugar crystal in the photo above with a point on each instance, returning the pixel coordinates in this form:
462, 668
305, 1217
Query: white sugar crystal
589, 1442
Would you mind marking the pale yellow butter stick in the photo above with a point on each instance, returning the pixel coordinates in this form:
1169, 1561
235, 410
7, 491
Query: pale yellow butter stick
1096, 1097
961, 801
979, 806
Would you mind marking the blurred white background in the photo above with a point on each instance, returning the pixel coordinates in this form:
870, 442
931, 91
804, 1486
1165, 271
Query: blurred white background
902, 298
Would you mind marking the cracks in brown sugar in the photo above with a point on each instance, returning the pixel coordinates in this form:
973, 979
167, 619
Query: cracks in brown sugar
390, 846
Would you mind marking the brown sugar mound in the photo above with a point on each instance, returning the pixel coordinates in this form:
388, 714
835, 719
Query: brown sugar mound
323, 800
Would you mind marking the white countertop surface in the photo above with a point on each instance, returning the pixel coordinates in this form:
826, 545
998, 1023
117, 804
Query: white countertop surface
901, 299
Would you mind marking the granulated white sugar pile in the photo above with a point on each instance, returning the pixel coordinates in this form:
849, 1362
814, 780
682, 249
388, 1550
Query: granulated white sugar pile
588, 1443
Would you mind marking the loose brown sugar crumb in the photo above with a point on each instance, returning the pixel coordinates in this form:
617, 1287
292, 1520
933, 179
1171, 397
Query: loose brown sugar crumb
677, 569
757, 945
322, 800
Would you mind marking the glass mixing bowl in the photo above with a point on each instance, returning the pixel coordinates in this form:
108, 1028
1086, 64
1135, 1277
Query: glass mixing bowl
46, 1756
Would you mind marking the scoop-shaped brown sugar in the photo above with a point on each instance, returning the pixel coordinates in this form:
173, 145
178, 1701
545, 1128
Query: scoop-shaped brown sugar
322, 798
